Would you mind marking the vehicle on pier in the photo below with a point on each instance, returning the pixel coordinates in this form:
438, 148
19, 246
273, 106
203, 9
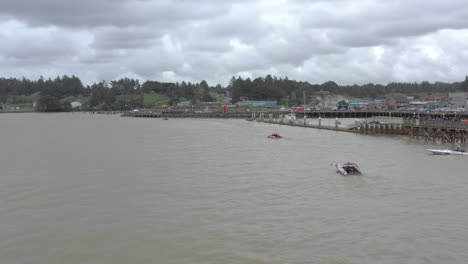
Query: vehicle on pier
454, 151
289, 117
274, 136
348, 168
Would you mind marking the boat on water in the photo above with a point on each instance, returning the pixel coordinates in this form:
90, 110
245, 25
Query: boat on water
348, 168
455, 151
274, 136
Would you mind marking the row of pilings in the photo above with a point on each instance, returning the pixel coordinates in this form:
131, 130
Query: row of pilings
439, 135
382, 128
396, 128
445, 131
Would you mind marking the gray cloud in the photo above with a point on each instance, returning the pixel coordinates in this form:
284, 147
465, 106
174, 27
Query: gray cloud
316, 41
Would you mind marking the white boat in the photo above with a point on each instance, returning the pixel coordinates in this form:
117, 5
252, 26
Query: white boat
348, 168
446, 152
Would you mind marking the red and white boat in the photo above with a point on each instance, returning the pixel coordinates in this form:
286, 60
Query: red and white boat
348, 168
275, 136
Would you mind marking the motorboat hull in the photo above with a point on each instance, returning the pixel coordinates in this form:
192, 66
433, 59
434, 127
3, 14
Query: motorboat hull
344, 169
274, 137
446, 152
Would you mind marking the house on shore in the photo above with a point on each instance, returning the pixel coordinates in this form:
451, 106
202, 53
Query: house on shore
397, 102
184, 104
75, 105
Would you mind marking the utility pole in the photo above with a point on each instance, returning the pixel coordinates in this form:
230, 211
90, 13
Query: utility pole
304, 105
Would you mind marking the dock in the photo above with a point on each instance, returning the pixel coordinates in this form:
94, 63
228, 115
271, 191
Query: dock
444, 131
247, 113
442, 127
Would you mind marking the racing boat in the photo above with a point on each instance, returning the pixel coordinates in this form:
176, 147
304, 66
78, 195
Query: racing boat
348, 168
455, 151
275, 136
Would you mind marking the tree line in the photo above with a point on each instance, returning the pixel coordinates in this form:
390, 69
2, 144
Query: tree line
292, 92
56, 94
122, 94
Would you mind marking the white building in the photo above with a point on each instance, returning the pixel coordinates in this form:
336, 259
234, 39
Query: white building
75, 104
459, 99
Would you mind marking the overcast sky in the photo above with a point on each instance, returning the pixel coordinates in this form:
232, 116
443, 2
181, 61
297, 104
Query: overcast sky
347, 41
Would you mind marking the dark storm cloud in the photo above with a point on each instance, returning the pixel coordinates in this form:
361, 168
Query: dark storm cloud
95, 13
343, 40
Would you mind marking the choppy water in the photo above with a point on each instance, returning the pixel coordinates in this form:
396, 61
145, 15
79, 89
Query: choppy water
78, 188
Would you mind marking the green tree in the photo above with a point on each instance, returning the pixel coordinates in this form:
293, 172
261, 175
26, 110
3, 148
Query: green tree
66, 106
48, 103
128, 101
464, 85
101, 95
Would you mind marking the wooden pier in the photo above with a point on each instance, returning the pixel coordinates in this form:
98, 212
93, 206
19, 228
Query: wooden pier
187, 114
438, 130
444, 131
429, 126
246, 113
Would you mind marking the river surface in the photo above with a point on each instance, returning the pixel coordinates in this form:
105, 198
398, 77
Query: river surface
104, 189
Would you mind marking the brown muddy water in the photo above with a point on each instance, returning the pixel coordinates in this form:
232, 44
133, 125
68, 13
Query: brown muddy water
80, 188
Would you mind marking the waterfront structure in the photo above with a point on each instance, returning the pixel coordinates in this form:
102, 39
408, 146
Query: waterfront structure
445, 131
414, 105
325, 100
438, 130
439, 105
185, 103
257, 103
459, 99
397, 101
435, 98
358, 104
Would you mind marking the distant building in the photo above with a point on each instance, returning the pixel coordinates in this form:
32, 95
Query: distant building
186, 103
438, 105
436, 98
75, 104
4, 106
257, 103
417, 104
459, 99
342, 105
377, 104
214, 94
397, 101
358, 104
